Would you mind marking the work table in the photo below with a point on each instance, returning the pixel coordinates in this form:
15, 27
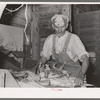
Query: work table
7, 80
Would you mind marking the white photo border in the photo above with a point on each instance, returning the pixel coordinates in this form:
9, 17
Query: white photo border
49, 92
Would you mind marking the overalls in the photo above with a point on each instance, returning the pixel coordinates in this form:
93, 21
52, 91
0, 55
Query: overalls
70, 66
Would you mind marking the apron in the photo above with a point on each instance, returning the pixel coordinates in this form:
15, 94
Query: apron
61, 58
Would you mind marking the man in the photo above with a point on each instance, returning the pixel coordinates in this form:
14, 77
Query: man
66, 48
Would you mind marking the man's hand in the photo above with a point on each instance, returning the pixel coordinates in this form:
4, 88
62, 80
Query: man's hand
79, 80
35, 68
41, 67
39, 64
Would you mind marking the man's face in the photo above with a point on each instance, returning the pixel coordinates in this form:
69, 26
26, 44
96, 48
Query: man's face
60, 29
59, 23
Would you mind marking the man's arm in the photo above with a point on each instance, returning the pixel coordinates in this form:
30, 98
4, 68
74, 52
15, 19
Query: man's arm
39, 64
85, 64
80, 78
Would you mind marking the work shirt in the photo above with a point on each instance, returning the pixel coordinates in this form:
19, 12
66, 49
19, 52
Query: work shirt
75, 47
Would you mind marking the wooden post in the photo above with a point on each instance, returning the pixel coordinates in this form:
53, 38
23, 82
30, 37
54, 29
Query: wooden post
35, 35
26, 45
66, 10
75, 17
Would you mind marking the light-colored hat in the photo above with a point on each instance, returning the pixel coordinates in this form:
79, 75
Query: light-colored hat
59, 20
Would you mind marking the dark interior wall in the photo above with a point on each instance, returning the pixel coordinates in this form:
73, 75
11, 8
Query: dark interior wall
45, 14
87, 26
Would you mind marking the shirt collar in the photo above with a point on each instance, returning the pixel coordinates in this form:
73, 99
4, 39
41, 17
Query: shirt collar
66, 34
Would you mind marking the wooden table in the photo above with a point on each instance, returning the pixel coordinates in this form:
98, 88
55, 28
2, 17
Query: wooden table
7, 80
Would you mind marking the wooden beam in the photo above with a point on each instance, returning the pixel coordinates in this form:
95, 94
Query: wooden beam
27, 46
35, 35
